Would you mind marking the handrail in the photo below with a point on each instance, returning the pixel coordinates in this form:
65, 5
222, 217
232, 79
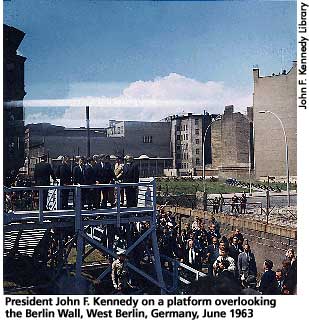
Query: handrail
181, 264
41, 214
51, 187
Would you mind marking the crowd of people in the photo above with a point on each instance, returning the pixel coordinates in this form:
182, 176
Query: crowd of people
202, 247
227, 260
238, 204
89, 171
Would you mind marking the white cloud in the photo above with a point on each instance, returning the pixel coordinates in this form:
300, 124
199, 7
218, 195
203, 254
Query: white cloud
145, 100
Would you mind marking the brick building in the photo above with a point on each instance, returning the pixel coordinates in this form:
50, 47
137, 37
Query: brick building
230, 143
275, 93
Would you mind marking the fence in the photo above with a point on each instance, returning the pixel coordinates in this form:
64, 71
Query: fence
28, 202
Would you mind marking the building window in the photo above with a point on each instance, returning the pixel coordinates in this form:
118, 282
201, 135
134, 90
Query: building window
178, 128
197, 161
186, 136
197, 141
197, 131
197, 151
147, 139
196, 122
178, 137
178, 156
177, 147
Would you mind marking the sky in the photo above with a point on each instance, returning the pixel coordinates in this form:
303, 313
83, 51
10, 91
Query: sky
145, 60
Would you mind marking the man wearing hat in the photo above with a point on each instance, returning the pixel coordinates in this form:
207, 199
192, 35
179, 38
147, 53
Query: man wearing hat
42, 173
120, 273
131, 175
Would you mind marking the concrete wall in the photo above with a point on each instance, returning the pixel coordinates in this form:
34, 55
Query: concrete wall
275, 93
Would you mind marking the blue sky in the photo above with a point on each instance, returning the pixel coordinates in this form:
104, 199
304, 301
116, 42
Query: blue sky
176, 52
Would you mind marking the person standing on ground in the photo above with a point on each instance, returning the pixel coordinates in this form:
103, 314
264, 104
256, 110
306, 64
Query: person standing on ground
216, 205
221, 202
246, 263
243, 203
120, 274
268, 283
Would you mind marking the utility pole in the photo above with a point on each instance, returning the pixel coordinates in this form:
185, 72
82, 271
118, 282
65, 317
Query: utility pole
88, 131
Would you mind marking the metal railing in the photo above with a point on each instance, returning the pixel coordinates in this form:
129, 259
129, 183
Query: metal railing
179, 268
37, 211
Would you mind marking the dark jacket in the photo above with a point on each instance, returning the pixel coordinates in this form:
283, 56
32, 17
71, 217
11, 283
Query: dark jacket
104, 174
234, 252
63, 172
97, 171
290, 280
268, 284
78, 175
213, 252
89, 177
42, 173
130, 173
197, 262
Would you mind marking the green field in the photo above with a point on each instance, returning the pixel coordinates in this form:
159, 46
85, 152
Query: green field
193, 186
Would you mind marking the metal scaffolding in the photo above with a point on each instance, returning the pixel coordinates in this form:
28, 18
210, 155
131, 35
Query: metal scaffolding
84, 224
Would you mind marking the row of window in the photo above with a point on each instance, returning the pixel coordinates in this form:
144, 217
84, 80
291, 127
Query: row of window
185, 147
186, 165
147, 139
185, 126
186, 136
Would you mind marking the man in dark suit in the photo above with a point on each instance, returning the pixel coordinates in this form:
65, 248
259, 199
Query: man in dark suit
108, 177
79, 176
192, 256
235, 249
97, 168
268, 283
131, 175
42, 173
212, 254
89, 180
63, 172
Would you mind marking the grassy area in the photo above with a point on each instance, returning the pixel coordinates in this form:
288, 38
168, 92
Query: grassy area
192, 186
95, 256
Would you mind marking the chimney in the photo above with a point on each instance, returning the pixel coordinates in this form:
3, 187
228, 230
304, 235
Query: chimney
229, 109
250, 113
256, 73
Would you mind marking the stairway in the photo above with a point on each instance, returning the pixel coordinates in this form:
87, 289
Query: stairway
22, 242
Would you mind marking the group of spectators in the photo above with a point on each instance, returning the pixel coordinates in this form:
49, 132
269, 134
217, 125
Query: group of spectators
202, 247
89, 171
238, 204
